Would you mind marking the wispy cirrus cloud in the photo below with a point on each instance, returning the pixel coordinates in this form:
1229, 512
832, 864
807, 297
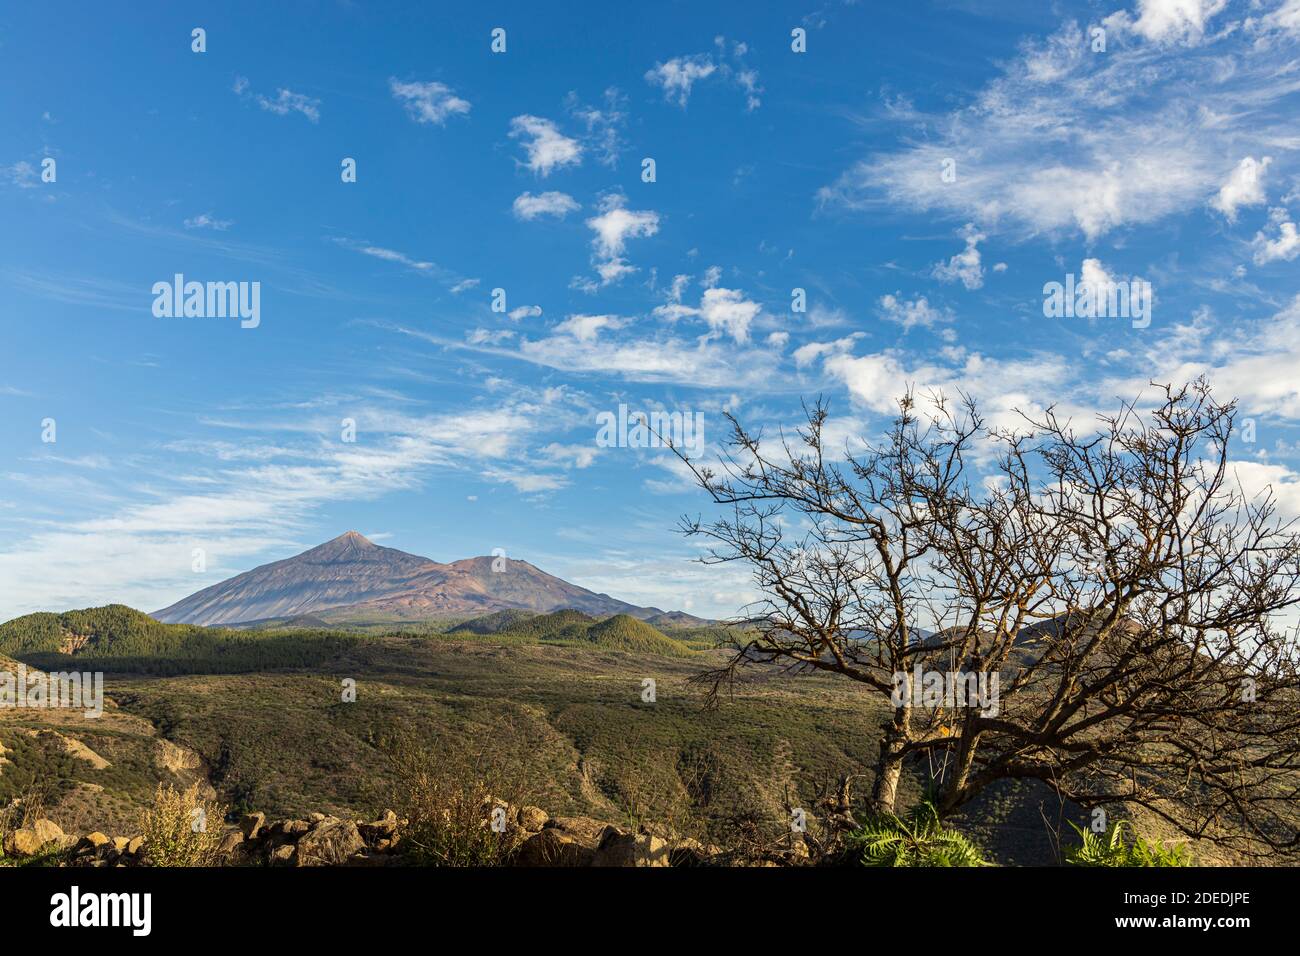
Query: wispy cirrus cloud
285, 102
1070, 139
551, 203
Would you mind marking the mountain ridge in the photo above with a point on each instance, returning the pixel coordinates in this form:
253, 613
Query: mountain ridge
353, 575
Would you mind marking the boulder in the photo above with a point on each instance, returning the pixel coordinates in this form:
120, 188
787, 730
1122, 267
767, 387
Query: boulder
292, 828
283, 855
583, 829
553, 847
93, 841
382, 829
532, 819
630, 849
252, 824
230, 842
120, 844
330, 844
29, 841
135, 846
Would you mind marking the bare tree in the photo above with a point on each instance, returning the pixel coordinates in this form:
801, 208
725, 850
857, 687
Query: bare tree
1115, 589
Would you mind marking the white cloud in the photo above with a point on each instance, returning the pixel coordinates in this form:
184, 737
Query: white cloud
392, 255
488, 336
524, 312
1286, 17
678, 75
570, 456
725, 311
21, 174
287, 101
1243, 187
615, 225
604, 124
547, 148
431, 102
550, 203
1285, 247
1065, 142
140, 553
585, 328
208, 221
807, 354
728, 311
910, 314
965, 266
1166, 21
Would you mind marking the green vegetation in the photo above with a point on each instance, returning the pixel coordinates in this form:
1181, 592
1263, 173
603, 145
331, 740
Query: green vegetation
122, 640
624, 633
546, 712
493, 623
919, 840
176, 828
1113, 849
620, 632
446, 797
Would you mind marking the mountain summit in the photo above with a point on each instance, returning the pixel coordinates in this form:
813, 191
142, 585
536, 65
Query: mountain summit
372, 582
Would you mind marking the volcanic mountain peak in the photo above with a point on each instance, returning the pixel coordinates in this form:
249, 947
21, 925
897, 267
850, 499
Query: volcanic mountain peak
352, 573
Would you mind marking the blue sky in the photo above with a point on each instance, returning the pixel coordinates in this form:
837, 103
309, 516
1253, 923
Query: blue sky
1170, 156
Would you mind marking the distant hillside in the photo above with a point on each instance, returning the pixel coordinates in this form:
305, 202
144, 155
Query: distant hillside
557, 626
493, 623
353, 581
119, 638
624, 633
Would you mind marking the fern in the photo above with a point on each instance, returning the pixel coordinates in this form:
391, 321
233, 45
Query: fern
1112, 849
919, 840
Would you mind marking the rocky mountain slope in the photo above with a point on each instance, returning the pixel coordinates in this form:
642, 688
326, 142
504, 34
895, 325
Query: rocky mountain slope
355, 578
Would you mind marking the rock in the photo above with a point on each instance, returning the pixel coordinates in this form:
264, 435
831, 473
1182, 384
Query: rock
120, 843
135, 846
385, 828
252, 824
47, 831
174, 757
316, 817
284, 855
553, 847
230, 842
329, 844
29, 841
291, 828
93, 841
630, 849
22, 842
532, 819
583, 829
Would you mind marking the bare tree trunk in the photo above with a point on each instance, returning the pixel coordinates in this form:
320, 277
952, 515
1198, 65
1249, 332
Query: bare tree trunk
889, 765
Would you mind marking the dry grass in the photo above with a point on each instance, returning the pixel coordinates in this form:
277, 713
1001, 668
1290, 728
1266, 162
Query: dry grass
180, 829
